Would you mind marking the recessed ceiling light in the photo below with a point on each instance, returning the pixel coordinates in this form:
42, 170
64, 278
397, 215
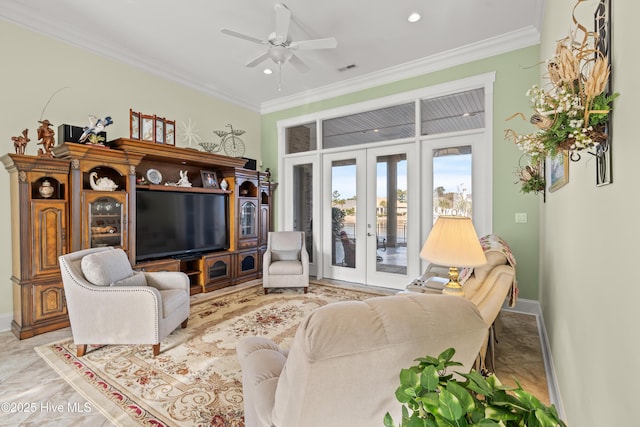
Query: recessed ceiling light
414, 17
267, 71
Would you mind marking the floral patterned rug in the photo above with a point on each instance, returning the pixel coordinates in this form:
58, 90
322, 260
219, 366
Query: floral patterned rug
196, 379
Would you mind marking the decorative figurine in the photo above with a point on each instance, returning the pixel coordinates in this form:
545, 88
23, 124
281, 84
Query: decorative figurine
184, 180
95, 127
46, 189
224, 184
101, 184
20, 142
45, 135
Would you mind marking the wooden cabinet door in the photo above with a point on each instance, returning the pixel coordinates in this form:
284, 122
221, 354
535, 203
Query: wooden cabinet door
217, 268
49, 224
104, 219
49, 301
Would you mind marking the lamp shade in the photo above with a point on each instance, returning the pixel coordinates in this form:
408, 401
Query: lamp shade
453, 242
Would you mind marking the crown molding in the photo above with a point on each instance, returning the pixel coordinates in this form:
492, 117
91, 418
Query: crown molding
518, 39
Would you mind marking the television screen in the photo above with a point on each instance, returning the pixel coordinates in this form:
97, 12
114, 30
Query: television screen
178, 223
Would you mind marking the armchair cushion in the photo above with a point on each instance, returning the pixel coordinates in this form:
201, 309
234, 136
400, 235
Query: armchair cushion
105, 268
285, 267
283, 255
136, 279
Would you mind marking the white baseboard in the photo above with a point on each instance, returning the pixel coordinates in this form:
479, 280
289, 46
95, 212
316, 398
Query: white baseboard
5, 321
532, 307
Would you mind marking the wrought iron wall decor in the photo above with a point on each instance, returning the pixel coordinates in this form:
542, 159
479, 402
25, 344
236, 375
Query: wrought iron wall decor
602, 21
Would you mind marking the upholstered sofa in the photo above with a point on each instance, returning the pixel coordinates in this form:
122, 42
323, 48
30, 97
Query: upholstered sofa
109, 303
487, 286
343, 365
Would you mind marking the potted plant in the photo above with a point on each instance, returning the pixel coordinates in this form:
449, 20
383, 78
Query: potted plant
431, 397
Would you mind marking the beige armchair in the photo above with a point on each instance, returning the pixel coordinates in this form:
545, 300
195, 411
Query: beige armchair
109, 303
285, 263
344, 362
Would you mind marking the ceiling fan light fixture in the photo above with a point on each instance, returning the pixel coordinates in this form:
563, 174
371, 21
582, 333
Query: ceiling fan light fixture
414, 17
267, 71
280, 54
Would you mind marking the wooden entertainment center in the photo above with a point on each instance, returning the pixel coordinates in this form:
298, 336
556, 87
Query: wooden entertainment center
56, 209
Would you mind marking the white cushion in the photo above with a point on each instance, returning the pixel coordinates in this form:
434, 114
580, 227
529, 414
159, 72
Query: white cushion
280, 255
104, 268
285, 268
136, 279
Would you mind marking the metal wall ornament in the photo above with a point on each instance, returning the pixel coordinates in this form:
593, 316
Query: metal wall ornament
602, 21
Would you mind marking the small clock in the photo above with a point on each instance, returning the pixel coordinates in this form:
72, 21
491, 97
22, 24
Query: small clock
154, 176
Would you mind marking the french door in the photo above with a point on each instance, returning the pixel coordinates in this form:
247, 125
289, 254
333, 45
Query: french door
370, 216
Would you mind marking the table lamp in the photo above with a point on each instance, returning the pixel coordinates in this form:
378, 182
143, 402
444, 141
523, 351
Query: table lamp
453, 242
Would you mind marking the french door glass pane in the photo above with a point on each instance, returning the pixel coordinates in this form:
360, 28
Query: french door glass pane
391, 214
343, 213
303, 203
452, 181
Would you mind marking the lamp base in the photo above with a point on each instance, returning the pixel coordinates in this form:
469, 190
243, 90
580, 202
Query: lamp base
453, 287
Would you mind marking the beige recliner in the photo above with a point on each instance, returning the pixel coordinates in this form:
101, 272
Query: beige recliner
344, 362
109, 303
285, 263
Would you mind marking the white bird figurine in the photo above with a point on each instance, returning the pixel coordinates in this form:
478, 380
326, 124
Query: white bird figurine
95, 126
101, 184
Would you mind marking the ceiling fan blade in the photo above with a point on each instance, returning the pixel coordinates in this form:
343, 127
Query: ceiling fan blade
242, 36
257, 60
283, 19
329, 43
298, 64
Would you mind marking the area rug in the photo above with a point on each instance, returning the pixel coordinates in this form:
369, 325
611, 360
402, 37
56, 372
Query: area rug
196, 379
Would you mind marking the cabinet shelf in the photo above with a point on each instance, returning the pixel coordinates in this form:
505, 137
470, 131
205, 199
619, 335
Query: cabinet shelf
160, 187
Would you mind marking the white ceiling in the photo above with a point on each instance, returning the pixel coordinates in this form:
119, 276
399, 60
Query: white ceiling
181, 40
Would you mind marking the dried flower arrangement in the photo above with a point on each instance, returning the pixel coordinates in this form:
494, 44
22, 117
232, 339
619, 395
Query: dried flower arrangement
572, 112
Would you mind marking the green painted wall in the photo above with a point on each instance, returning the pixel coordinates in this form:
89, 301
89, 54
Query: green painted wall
515, 72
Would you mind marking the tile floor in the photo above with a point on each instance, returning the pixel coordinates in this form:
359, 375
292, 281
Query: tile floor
32, 394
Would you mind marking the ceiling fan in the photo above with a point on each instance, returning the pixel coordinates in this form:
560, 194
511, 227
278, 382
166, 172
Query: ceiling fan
280, 46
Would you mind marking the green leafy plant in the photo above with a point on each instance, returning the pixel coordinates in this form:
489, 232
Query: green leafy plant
433, 398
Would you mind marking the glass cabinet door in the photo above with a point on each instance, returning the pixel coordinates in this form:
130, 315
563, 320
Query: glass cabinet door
248, 219
106, 221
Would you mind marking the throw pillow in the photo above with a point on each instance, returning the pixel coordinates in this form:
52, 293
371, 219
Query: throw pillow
280, 255
104, 268
136, 279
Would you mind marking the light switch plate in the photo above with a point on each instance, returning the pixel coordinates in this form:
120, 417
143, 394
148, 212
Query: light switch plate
521, 217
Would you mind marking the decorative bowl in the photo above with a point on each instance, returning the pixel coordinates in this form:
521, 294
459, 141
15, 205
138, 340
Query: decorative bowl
209, 147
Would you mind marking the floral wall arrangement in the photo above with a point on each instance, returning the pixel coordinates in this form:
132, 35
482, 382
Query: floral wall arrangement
572, 111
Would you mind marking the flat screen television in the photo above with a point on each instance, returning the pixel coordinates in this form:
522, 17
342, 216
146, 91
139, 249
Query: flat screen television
172, 223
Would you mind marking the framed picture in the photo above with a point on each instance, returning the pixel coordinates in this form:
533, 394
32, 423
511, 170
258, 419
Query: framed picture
558, 171
148, 125
170, 132
159, 130
209, 179
134, 124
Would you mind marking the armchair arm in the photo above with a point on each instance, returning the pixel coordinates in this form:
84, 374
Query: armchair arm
163, 280
97, 314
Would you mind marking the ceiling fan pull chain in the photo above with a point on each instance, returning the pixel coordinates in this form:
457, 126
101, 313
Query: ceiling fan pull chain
279, 76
